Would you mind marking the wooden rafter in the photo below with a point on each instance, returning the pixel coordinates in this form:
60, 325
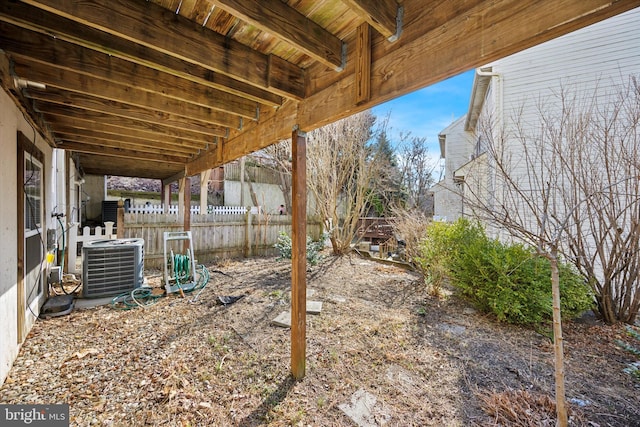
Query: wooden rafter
172, 35
363, 64
289, 25
491, 29
152, 132
56, 103
55, 113
118, 151
83, 85
82, 133
50, 54
383, 15
62, 28
218, 79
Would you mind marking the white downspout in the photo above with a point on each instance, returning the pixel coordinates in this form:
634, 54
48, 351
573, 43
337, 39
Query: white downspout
493, 193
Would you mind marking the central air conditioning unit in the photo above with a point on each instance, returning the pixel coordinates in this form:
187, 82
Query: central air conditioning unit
111, 267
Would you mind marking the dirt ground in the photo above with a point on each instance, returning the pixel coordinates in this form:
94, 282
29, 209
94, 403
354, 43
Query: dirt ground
422, 361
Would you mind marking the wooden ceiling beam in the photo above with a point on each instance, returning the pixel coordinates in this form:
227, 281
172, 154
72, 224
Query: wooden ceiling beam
74, 82
50, 52
86, 129
96, 164
486, 32
383, 15
61, 28
162, 125
155, 27
89, 103
362, 88
289, 25
87, 137
118, 125
254, 137
126, 153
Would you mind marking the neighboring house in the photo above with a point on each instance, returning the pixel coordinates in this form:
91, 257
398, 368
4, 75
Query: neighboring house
33, 177
456, 148
592, 60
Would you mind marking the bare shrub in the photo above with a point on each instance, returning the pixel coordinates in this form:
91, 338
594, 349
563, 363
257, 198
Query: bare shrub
520, 408
410, 227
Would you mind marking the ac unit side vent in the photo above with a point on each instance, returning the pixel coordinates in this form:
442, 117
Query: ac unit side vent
112, 267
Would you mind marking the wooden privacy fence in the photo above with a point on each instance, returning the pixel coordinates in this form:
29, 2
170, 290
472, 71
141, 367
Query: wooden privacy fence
214, 235
195, 210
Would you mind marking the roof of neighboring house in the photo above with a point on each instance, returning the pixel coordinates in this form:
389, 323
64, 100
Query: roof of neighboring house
479, 90
442, 136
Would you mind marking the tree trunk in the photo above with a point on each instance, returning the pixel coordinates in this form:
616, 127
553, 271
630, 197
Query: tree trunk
252, 193
561, 409
606, 304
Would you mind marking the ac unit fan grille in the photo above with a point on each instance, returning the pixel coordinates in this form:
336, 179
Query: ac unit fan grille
112, 270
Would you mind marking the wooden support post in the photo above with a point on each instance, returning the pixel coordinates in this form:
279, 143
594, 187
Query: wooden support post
181, 190
166, 198
120, 220
248, 242
298, 254
187, 209
204, 191
242, 161
363, 64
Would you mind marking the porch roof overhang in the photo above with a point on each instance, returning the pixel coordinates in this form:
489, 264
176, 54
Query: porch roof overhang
165, 88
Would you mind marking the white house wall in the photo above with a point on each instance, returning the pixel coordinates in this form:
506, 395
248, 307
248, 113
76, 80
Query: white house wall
601, 56
592, 61
12, 121
459, 147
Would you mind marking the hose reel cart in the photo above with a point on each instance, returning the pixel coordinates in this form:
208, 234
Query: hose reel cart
179, 269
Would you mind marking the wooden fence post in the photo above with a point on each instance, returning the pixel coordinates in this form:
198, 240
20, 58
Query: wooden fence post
248, 243
120, 220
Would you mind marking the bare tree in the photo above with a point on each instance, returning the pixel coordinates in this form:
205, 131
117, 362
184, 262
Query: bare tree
340, 175
416, 171
567, 182
279, 156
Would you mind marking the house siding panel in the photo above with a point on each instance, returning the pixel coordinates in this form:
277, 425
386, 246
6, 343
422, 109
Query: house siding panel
12, 121
593, 60
600, 57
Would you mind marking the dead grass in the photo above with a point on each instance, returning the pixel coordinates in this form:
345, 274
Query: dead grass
428, 361
520, 408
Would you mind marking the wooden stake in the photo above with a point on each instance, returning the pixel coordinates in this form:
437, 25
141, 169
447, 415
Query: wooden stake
298, 254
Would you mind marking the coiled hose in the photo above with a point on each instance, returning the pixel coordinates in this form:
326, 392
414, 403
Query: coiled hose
143, 297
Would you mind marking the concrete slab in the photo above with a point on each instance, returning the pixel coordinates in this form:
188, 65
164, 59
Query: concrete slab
364, 410
81, 303
314, 307
338, 299
283, 320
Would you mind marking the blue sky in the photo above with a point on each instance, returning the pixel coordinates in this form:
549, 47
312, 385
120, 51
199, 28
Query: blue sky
427, 111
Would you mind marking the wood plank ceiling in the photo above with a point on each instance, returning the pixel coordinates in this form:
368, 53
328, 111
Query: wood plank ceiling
163, 88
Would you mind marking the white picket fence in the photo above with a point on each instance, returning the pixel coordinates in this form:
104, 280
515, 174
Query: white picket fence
195, 210
99, 233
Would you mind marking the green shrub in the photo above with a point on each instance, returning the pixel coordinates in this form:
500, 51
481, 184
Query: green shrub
510, 281
435, 252
283, 245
